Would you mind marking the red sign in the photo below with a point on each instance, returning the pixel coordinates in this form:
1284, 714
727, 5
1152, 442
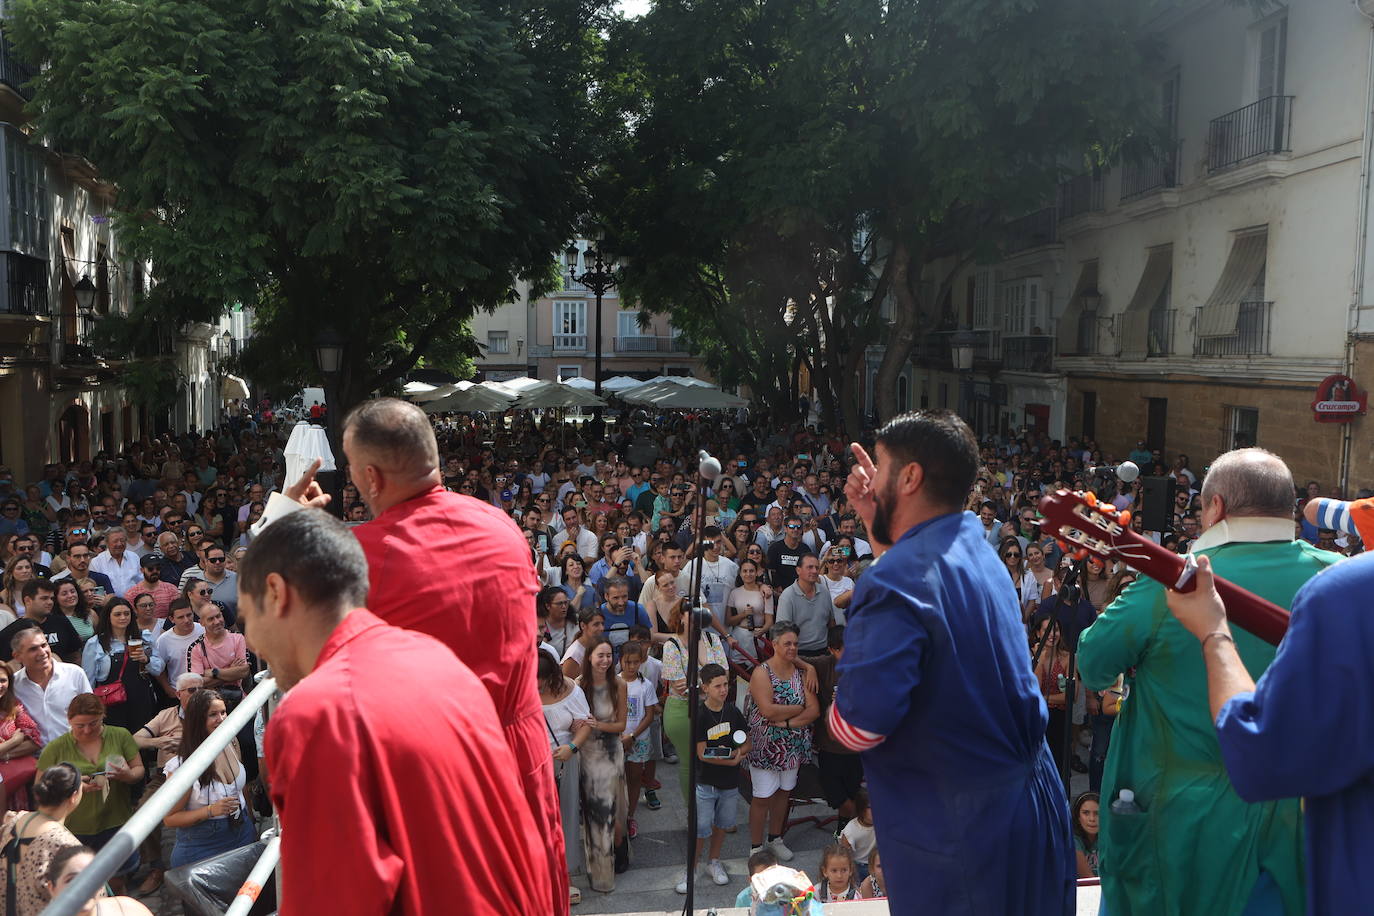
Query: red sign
1338, 400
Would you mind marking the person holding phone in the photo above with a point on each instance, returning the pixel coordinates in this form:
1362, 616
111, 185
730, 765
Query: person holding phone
212, 817
721, 743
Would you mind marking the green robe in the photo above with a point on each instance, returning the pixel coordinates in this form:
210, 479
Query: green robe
1198, 848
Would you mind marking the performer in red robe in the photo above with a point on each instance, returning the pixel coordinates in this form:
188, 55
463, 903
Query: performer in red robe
457, 569
397, 789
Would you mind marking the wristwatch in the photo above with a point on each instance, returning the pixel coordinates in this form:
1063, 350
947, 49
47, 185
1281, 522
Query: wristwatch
214, 673
574, 747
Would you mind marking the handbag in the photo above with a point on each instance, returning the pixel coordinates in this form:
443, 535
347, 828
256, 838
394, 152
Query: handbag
113, 693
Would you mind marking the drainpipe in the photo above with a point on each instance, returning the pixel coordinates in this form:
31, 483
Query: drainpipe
1353, 329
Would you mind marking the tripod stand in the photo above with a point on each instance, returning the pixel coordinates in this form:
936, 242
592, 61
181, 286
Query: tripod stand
1068, 613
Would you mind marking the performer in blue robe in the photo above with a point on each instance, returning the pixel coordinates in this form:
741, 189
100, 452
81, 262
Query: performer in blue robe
1307, 728
936, 690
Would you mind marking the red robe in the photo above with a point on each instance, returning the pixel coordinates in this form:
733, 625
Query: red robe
396, 786
460, 570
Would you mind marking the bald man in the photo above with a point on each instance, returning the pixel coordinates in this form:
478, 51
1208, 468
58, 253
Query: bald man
458, 569
1198, 847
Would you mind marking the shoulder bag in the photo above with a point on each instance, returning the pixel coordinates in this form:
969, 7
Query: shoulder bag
113, 693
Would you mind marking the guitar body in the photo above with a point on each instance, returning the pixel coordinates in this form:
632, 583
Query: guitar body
1084, 526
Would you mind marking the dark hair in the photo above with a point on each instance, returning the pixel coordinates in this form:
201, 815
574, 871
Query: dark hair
710, 672
85, 704
764, 858
584, 679
781, 627
56, 784
545, 598
34, 586
563, 565
195, 728
640, 633
550, 676
834, 637
587, 615
1089, 843
942, 445
315, 553
861, 800
834, 851
58, 863
104, 629
634, 649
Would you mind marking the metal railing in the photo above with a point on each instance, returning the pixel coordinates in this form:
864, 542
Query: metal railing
649, 344
149, 817
1079, 195
1161, 332
26, 285
1152, 172
570, 341
1029, 354
937, 347
1253, 328
573, 285
1261, 128
1031, 231
14, 72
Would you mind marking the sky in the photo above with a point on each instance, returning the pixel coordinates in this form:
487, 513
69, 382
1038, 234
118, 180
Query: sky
634, 7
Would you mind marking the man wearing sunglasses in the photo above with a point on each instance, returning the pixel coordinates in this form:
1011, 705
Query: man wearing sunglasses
786, 553
79, 567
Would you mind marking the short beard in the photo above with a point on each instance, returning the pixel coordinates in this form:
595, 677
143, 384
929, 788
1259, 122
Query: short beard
884, 504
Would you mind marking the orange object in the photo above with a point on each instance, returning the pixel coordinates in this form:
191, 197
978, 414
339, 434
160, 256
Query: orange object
1124, 518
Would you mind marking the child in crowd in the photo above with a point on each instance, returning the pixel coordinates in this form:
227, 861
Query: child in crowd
652, 671
857, 835
837, 875
641, 699
872, 887
1085, 825
718, 722
760, 860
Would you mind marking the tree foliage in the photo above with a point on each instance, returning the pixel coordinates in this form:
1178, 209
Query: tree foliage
794, 171
382, 168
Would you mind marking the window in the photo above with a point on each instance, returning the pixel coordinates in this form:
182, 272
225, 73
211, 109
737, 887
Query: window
498, 342
1242, 427
1271, 53
567, 372
1021, 306
982, 299
569, 325
28, 189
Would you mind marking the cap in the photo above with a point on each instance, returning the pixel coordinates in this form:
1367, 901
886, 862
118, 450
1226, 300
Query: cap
151, 559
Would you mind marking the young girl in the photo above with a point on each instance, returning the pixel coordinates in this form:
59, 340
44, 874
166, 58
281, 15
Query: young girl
857, 835
837, 875
603, 769
873, 884
1085, 823
641, 704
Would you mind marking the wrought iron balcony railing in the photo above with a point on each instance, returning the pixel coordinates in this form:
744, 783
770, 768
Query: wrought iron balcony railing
1262, 128
1079, 195
1161, 332
1253, 328
1151, 172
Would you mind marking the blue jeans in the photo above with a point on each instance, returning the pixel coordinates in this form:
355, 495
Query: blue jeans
97, 842
715, 808
210, 838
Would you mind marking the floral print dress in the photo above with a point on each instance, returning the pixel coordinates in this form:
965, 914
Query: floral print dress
777, 747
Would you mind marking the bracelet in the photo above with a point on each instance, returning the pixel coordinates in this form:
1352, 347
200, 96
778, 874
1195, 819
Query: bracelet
1219, 634
575, 748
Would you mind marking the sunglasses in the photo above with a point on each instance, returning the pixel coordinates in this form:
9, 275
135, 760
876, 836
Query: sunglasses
793, 527
1011, 556
214, 559
80, 531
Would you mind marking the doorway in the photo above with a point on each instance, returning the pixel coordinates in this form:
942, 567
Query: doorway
1156, 420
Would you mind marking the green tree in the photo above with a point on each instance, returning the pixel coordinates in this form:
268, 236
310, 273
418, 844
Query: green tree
381, 169
797, 171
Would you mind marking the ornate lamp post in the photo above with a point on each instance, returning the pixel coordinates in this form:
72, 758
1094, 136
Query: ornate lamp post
599, 278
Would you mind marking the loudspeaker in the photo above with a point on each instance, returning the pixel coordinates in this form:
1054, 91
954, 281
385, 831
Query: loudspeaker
1157, 503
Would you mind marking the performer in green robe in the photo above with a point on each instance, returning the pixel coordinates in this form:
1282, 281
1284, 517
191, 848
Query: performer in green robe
1197, 847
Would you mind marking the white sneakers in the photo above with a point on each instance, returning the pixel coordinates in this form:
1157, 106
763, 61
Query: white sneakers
714, 868
780, 850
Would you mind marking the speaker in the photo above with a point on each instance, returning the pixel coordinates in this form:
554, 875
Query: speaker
1157, 503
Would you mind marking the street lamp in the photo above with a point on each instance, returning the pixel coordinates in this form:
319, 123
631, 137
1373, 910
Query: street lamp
328, 351
329, 347
600, 278
85, 293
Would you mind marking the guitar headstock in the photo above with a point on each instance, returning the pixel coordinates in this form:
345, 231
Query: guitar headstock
1082, 525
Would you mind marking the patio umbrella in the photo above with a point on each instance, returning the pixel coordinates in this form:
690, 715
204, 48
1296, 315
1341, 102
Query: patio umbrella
472, 398
580, 383
552, 396
233, 388
307, 443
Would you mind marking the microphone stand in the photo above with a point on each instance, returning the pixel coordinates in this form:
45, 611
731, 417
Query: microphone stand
694, 683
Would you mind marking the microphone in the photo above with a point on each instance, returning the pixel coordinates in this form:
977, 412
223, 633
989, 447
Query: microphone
708, 467
1126, 471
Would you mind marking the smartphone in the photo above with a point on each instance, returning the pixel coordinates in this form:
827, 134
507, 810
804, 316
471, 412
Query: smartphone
716, 752
100, 591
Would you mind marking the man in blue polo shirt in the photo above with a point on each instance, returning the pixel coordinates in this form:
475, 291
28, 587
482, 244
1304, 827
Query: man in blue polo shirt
936, 691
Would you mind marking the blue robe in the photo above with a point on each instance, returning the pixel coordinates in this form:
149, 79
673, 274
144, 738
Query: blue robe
971, 816
1308, 730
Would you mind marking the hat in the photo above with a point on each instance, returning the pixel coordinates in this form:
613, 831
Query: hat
151, 559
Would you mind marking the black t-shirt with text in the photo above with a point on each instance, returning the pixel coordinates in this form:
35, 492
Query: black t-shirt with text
62, 636
783, 561
717, 729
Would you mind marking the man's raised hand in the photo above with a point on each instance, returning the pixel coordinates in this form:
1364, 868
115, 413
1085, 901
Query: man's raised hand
307, 491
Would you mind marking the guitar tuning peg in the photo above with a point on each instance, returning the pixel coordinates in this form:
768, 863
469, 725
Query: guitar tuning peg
1090, 498
1063, 545
1124, 518
1081, 554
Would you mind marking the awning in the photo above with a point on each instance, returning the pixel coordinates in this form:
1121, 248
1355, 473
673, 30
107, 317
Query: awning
469, 399
231, 387
1243, 267
1068, 323
1135, 321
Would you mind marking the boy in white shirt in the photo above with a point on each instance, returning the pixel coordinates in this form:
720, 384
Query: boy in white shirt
641, 707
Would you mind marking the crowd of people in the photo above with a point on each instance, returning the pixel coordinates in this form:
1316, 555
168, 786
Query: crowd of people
119, 605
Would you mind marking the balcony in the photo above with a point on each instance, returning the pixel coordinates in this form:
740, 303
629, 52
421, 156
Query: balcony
1031, 231
75, 348
572, 285
1028, 354
1251, 337
936, 348
570, 342
1263, 128
1154, 171
13, 72
1161, 332
1086, 343
26, 286
650, 344
1080, 195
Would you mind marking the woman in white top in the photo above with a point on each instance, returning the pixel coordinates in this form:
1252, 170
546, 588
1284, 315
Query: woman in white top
837, 580
1034, 580
565, 715
749, 608
590, 624
213, 816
